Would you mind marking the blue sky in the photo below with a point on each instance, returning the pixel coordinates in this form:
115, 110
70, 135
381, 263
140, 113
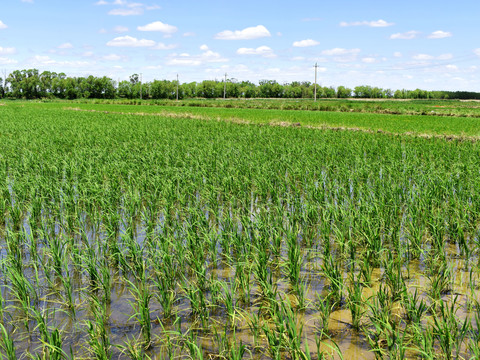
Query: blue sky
430, 45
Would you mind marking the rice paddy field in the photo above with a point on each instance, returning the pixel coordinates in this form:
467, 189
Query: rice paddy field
166, 232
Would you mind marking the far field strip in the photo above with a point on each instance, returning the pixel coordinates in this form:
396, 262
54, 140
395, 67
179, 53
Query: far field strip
415, 125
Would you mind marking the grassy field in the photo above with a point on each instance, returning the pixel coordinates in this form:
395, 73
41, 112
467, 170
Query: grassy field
159, 232
458, 108
464, 127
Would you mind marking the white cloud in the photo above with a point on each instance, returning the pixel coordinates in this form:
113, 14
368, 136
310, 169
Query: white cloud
376, 23
187, 34
445, 57
27, 1
476, 52
129, 41
397, 54
7, 61
120, 29
7, 50
185, 59
2, 25
298, 58
248, 33
422, 57
66, 45
406, 35
439, 34
41, 60
452, 67
369, 60
162, 46
127, 8
342, 55
204, 47
305, 43
158, 26
264, 51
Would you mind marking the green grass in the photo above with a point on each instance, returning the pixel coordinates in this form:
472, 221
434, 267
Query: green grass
396, 124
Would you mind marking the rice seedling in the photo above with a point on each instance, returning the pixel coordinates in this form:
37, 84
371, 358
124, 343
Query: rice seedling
440, 281
99, 344
141, 308
331, 270
195, 350
448, 331
7, 344
394, 278
325, 308
415, 307
132, 349
354, 301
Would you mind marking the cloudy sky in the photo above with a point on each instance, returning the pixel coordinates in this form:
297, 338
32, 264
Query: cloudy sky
425, 44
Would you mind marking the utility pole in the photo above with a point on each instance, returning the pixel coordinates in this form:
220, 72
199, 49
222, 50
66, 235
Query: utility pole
315, 88
4, 91
225, 87
141, 86
177, 87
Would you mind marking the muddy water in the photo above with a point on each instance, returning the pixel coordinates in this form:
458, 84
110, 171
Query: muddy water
214, 332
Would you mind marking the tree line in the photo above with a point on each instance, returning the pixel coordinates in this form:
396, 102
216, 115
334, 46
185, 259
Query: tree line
31, 84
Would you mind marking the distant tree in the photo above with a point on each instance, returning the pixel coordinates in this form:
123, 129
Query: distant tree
376, 93
124, 89
247, 89
270, 89
293, 90
58, 85
24, 83
328, 92
343, 92
134, 79
72, 90
188, 90
366, 92
233, 88
209, 89
388, 93
46, 80
163, 89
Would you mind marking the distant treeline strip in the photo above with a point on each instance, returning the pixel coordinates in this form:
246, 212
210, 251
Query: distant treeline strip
31, 84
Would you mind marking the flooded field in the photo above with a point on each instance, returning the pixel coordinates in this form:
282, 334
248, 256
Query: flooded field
126, 236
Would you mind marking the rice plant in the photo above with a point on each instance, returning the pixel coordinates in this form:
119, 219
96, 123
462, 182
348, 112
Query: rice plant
144, 235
